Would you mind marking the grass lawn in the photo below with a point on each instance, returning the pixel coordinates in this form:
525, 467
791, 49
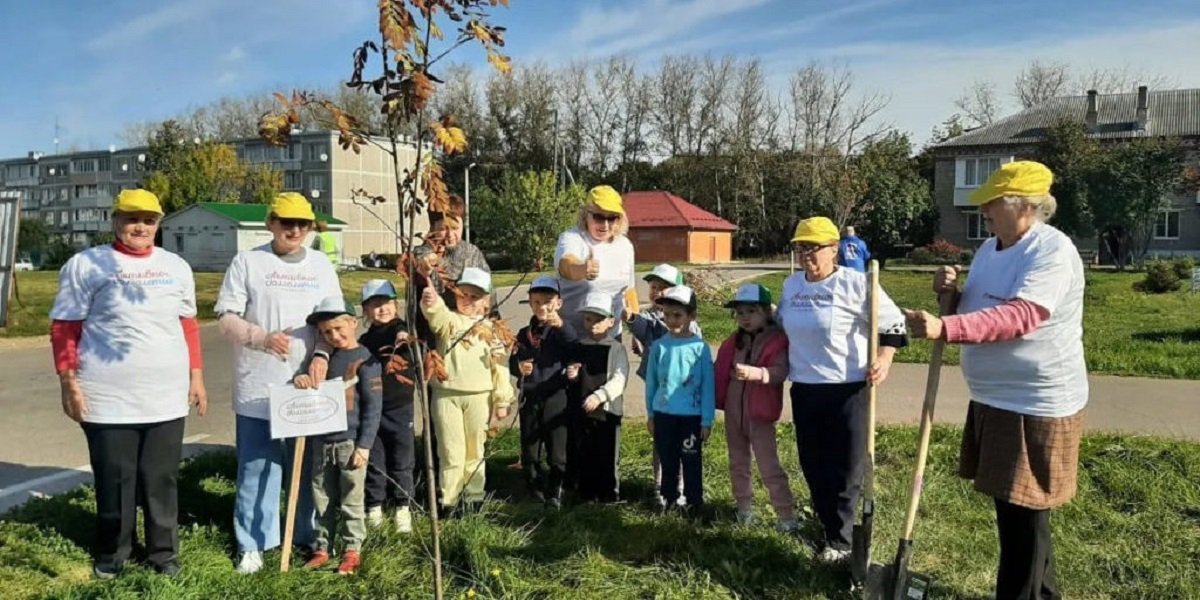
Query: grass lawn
1133, 532
1124, 332
37, 289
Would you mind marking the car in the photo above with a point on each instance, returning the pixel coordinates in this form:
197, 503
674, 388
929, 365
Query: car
23, 264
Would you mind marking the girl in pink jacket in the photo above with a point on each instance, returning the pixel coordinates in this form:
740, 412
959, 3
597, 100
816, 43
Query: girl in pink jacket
750, 369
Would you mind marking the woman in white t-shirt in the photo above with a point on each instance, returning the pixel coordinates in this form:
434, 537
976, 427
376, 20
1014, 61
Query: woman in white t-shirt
127, 351
825, 312
267, 293
1020, 320
594, 256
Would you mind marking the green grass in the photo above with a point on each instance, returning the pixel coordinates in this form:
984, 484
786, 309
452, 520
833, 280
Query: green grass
1133, 532
1124, 332
30, 317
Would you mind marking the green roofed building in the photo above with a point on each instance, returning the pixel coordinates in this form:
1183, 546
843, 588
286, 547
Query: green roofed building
208, 234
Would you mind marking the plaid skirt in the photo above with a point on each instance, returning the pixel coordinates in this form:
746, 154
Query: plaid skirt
1021, 459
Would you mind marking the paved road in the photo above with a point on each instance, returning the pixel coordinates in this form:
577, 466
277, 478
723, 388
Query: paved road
43, 452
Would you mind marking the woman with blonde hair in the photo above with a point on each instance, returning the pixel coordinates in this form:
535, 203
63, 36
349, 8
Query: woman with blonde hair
595, 256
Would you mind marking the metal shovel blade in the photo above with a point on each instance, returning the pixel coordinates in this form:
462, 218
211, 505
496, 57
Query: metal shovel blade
898, 583
860, 544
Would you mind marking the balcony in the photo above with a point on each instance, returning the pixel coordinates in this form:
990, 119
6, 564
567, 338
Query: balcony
91, 226
92, 202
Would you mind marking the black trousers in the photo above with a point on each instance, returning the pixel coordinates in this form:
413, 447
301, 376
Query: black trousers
393, 457
544, 431
1026, 554
599, 444
677, 439
831, 436
136, 465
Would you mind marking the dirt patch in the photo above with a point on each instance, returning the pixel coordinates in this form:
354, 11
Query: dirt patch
21, 343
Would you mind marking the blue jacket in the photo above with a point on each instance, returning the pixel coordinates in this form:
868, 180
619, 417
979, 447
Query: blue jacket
853, 253
679, 379
647, 327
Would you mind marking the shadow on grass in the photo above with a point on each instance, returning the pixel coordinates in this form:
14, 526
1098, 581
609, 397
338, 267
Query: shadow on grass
1187, 336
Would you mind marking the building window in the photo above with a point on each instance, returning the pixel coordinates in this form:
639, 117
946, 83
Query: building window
294, 151
1166, 226
48, 216
87, 191
313, 152
63, 217
976, 227
318, 181
87, 165
977, 170
179, 242
293, 180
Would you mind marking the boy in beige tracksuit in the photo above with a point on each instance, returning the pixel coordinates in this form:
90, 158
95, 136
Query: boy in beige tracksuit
477, 385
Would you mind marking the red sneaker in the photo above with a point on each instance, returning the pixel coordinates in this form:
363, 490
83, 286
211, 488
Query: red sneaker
318, 559
350, 562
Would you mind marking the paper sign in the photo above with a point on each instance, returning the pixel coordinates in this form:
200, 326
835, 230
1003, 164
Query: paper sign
296, 412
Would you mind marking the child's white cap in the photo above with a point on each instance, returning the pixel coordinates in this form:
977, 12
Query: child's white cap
750, 293
599, 304
476, 277
666, 273
330, 307
545, 283
378, 287
680, 294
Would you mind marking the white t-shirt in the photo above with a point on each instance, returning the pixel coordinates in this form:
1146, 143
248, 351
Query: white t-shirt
827, 324
275, 295
616, 274
133, 358
1043, 373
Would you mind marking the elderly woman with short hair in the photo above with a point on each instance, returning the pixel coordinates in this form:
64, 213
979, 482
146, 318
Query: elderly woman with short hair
595, 256
1020, 321
127, 351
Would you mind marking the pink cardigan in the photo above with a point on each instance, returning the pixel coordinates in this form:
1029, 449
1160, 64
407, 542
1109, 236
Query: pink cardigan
768, 351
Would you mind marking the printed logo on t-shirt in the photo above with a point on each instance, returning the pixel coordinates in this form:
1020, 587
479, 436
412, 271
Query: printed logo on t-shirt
147, 278
292, 281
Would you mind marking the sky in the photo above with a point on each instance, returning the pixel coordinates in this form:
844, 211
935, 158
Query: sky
93, 67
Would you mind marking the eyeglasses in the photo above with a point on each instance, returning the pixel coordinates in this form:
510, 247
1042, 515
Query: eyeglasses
805, 249
604, 218
294, 223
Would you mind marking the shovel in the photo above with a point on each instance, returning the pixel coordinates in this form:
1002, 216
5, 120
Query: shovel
860, 545
898, 582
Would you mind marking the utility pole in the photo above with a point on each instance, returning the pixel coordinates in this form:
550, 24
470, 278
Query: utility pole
467, 201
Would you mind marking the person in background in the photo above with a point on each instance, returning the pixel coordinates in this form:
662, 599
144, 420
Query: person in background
539, 363
750, 370
680, 399
266, 295
1020, 322
595, 256
393, 456
340, 470
599, 372
825, 312
852, 251
127, 351
326, 243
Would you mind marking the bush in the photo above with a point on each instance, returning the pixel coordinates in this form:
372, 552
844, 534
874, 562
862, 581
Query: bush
940, 252
1183, 267
1161, 277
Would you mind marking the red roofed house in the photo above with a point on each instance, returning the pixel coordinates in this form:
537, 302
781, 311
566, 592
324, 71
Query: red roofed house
666, 228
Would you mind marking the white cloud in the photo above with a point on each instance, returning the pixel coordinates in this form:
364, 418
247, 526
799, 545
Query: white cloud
234, 54
152, 23
227, 77
639, 25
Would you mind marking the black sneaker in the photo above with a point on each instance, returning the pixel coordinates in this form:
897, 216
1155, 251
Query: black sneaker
168, 569
106, 569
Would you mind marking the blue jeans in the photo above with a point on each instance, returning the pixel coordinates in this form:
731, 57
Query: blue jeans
262, 463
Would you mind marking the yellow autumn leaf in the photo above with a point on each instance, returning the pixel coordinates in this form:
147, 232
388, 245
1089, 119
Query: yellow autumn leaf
500, 62
451, 140
479, 32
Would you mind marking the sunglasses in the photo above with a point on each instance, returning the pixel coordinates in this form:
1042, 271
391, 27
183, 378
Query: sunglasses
804, 249
294, 223
599, 218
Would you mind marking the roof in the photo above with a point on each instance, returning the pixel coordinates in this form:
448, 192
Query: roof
1174, 113
664, 209
250, 213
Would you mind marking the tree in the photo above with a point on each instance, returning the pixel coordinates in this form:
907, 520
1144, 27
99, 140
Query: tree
897, 206
979, 103
261, 184
182, 173
1128, 187
523, 218
1072, 156
1040, 82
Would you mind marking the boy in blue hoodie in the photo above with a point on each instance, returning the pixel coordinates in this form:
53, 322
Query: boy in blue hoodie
680, 398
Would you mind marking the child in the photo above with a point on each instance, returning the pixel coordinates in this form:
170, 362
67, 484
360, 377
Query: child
477, 384
538, 362
598, 375
750, 370
648, 327
339, 471
393, 456
679, 398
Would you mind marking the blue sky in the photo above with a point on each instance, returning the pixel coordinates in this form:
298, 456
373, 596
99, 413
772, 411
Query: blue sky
95, 66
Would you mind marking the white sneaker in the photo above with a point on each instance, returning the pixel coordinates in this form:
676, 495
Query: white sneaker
251, 562
787, 525
403, 518
375, 516
833, 556
745, 517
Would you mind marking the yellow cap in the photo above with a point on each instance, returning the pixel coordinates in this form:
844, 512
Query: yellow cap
290, 205
606, 199
138, 200
816, 230
1021, 178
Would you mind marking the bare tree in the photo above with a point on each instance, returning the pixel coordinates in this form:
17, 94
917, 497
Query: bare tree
1112, 80
710, 118
1041, 81
637, 93
980, 103
674, 101
827, 115
573, 114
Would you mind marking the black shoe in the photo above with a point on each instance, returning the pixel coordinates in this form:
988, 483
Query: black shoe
106, 569
168, 569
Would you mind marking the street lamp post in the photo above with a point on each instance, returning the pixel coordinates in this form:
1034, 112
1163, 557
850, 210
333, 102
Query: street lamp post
467, 201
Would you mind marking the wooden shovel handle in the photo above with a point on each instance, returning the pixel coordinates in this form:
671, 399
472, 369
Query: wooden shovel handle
873, 356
